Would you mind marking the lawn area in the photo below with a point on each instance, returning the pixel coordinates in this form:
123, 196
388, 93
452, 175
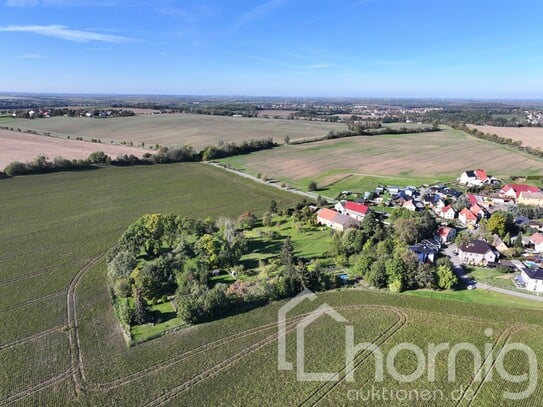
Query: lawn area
166, 311
478, 296
308, 242
493, 277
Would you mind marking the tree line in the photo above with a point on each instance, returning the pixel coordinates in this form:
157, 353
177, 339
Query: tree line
164, 155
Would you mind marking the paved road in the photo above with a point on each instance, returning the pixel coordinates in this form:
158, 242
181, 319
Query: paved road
461, 273
309, 195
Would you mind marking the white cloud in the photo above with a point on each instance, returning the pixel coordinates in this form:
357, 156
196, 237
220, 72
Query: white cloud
64, 33
259, 11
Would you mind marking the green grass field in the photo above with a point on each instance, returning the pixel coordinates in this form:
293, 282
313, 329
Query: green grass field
358, 163
176, 129
61, 344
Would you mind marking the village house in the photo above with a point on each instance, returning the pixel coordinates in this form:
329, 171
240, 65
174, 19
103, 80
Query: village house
467, 217
352, 209
474, 178
427, 250
410, 205
530, 198
446, 234
499, 245
447, 212
477, 252
531, 276
514, 190
478, 211
537, 240
335, 220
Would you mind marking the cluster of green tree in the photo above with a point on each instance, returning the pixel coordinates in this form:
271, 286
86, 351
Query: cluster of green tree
41, 164
164, 155
229, 109
229, 149
162, 255
479, 116
360, 130
530, 212
381, 254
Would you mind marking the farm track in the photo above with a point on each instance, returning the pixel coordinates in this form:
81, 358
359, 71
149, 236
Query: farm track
31, 338
77, 370
22, 304
503, 338
209, 373
185, 355
37, 387
327, 387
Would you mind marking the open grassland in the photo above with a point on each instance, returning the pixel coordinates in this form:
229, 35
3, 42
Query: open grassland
18, 146
402, 159
198, 131
530, 136
60, 343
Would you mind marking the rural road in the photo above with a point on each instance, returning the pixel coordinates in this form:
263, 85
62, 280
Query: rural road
271, 184
460, 272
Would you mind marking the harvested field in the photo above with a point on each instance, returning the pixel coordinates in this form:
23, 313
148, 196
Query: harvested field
437, 155
177, 128
18, 146
530, 136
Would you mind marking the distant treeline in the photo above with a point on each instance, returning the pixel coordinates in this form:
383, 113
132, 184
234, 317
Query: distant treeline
361, 131
498, 139
479, 116
71, 112
164, 155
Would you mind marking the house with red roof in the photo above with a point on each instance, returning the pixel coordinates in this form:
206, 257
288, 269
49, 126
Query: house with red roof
446, 234
447, 212
335, 220
476, 177
537, 240
478, 211
356, 210
514, 190
467, 217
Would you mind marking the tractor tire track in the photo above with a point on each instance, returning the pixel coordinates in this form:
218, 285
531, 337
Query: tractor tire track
503, 339
77, 370
31, 338
185, 355
22, 304
213, 371
381, 339
37, 387
196, 351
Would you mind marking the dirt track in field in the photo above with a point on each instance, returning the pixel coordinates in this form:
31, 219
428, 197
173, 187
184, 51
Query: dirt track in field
18, 146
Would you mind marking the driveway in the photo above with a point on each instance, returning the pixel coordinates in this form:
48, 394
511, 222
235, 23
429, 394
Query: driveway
461, 273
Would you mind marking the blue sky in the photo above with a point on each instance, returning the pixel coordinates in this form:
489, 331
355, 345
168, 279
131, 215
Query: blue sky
366, 48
